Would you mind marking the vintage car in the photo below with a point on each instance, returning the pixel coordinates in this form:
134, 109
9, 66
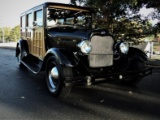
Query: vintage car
61, 40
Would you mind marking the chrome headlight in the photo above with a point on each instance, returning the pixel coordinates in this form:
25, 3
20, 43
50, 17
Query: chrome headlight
85, 46
124, 47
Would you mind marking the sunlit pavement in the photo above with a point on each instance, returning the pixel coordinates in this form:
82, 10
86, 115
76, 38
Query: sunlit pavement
11, 45
24, 96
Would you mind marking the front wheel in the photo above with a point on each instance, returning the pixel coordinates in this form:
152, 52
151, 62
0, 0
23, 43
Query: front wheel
55, 74
136, 64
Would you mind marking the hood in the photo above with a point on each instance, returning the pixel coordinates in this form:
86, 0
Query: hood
66, 32
69, 37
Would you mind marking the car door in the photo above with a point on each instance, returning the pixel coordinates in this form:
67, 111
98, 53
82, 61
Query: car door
29, 30
38, 47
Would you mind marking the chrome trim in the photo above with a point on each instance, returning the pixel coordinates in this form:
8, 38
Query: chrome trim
53, 76
54, 73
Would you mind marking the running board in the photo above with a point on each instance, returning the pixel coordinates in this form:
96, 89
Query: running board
32, 63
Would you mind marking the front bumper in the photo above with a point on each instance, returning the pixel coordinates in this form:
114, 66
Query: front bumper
89, 80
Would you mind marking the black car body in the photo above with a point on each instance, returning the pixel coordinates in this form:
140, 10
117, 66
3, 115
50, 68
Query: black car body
59, 39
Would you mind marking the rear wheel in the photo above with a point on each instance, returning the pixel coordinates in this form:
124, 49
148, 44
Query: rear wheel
55, 74
19, 58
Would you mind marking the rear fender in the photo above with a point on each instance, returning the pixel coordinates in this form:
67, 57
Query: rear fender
22, 46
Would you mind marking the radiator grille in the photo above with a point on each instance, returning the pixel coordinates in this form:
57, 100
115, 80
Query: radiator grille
102, 51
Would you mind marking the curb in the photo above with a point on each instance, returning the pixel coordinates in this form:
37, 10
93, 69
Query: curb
155, 63
153, 66
8, 45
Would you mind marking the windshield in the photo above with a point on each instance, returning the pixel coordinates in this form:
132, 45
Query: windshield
71, 17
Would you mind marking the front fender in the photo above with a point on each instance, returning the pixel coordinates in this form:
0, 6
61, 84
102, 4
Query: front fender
63, 56
135, 53
125, 61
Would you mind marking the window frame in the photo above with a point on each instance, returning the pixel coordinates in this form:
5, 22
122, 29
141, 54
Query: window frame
41, 18
29, 21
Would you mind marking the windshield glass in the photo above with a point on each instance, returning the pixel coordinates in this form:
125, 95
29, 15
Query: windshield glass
67, 17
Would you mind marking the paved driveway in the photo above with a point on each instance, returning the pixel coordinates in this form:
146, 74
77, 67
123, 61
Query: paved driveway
24, 95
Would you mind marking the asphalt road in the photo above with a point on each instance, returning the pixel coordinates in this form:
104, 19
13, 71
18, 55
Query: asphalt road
24, 95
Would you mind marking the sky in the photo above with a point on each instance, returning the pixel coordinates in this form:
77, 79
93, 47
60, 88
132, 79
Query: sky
10, 10
146, 12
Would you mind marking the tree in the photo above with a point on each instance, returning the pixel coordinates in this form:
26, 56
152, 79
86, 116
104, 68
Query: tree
6, 33
15, 33
10, 34
122, 16
77, 2
109, 11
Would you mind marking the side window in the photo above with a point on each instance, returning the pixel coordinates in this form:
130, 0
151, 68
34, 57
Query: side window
39, 18
30, 20
23, 23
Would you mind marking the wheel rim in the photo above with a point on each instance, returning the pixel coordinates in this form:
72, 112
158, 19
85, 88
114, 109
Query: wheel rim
19, 58
53, 79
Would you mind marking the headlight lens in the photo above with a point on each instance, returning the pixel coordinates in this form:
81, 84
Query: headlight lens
124, 47
85, 46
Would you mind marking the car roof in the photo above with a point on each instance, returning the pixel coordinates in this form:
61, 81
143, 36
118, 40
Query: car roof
60, 6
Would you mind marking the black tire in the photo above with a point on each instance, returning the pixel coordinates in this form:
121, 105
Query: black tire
19, 58
136, 64
55, 74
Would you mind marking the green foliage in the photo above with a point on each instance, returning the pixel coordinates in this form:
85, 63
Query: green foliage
10, 34
15, 33
122, 16
77, 2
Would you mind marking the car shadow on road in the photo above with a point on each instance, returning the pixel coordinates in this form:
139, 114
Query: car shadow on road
109, 100
115, 97
112, 96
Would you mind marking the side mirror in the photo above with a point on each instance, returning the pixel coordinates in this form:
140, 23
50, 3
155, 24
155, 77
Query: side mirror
35, 23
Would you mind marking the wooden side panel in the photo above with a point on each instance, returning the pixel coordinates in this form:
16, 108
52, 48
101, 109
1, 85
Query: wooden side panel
29, 40
34, 33
38, 47
23, 35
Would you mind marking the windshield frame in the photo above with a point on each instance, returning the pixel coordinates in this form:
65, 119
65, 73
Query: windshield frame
68, 16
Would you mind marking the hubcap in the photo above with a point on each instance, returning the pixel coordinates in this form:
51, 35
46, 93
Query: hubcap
19, 58
53, 79
19, 55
